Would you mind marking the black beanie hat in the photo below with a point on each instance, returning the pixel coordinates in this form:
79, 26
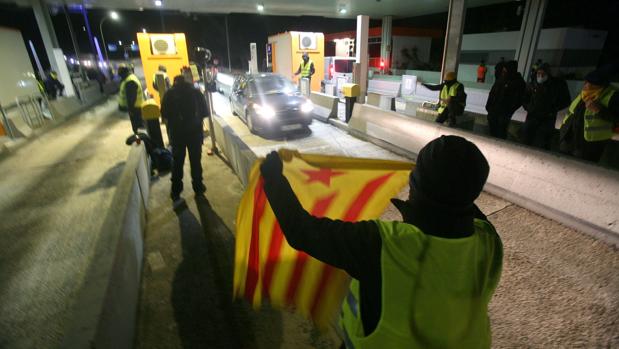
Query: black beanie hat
597, 77
450, 174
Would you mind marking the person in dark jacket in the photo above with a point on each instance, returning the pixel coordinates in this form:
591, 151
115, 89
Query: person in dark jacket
183, 108
53, 87
588, 126
452, 99
439, 215
543, 98
504, 99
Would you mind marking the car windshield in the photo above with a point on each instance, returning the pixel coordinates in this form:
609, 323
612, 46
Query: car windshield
270, 85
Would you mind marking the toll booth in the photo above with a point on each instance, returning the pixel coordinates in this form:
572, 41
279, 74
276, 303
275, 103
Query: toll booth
284, 53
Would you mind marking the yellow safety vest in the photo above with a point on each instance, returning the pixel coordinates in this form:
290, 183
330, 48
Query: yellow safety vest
122, 96
306, 69
435, 291
596, 128
447, 92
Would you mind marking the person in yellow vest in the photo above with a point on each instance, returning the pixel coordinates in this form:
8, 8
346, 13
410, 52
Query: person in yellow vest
161, 71
588, 126
306, 68
131, 97
422, 283
452, 99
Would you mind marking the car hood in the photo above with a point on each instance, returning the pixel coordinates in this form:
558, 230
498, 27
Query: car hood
280, 101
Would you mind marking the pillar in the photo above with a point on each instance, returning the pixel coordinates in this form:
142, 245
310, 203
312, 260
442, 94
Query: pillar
362, 55
532, 20
385, 42
453, 37
50, 42
44, 22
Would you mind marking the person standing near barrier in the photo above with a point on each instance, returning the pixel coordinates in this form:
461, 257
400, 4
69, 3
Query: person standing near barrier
504, 99
131, 97
588, 126
422, 283
53, 87
452, 99
183, 108
542, 100
306, 68
161, 81
481, 72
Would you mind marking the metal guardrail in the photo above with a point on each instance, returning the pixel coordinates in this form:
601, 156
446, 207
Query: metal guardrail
31, 111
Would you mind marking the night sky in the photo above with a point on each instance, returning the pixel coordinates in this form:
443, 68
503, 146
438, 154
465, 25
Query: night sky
209, 30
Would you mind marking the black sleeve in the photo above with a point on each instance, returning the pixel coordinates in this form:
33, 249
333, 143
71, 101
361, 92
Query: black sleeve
202, 107
353, 247
298, 70
166, 108
131, 90
611, 113
491, 98
433, 87
312, 70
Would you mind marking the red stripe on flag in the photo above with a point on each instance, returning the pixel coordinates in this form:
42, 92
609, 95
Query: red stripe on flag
253, 264
351, 215
273, 258
320, 208
370, 188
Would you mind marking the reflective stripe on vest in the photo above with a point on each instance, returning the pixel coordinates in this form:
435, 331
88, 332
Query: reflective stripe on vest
122, 95
306, 69
424, 279
447, 92
595, 128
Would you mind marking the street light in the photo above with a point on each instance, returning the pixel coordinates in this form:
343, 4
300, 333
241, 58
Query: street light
115, 17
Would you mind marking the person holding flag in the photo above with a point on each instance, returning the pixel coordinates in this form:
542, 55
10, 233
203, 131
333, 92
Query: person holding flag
421, 283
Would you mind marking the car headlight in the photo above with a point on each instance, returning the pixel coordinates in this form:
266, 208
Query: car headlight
265, 111
307, 107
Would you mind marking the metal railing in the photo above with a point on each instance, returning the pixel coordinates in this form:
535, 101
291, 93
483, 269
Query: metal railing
31, 110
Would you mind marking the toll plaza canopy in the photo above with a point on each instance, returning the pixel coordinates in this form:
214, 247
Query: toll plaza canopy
326, 8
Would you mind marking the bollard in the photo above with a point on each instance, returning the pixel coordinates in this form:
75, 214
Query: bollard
350, 92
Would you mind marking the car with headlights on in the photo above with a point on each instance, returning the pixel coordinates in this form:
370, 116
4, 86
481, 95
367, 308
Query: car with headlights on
270, 103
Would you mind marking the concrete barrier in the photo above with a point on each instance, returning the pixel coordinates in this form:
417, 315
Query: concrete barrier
105, 311
574, 193
239, 155
325, 106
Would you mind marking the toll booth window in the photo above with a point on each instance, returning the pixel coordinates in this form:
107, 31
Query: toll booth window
343, 66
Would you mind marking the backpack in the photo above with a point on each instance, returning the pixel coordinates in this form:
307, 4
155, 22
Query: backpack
162, 160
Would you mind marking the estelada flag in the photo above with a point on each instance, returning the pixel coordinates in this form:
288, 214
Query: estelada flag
268, 269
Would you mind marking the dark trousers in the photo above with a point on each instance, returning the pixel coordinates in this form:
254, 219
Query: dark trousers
498, 124
442, 117
590, 151
135, 115
538, 131
154, 131
192, 145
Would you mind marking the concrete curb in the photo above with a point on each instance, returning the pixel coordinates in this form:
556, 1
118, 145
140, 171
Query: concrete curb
325, 106
239, 155
104, 314
580, 195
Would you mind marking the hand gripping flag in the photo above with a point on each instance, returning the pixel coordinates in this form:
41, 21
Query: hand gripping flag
267, 268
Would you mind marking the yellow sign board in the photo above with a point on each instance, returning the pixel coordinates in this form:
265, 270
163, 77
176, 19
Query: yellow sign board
169, 50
